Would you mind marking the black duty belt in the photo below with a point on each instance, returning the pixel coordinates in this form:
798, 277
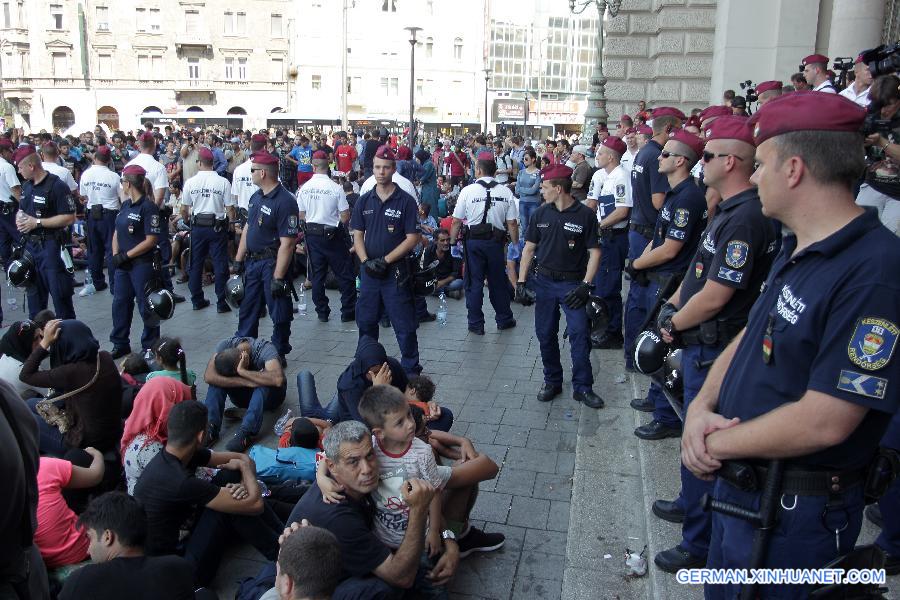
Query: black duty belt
750, 477
98, 212
658, 278
8, 208
263, 254
560, 275
56, 235
710, 333
644, 230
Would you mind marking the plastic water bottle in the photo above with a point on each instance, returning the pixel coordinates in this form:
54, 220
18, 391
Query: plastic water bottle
301, 302
88, 289
11, 302
357, 283
442, 310
281, 424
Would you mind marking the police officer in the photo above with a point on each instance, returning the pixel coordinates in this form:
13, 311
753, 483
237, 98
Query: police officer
10, 194
490, 215
100, 188
267, 245
811, 379
712, 303
323, 207
815, 71
678, 229
562, 236
45, 213
135, 260
889, 507
207, 204
242, 186
613, 203
385, 231
648, 191
156, 174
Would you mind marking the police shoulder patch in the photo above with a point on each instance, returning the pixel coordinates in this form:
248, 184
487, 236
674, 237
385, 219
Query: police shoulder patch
620, 190
154, 221
736, 253
862, 384
681, 217
292, 221
872, 343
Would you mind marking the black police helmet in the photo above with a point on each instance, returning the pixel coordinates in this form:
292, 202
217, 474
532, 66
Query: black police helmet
673, 378
425, 280
234, 291
159, 300
597, 312
649, 352
21, 271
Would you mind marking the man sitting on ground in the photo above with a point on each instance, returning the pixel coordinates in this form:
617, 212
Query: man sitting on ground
449, 270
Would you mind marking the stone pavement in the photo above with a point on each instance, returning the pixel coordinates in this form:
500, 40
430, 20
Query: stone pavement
575, 485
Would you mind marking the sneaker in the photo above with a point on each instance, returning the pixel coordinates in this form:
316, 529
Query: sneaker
239, 442
478, 541
234, 413
211, 437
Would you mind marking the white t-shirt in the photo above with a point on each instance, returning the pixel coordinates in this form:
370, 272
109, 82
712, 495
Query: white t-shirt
404, 183
8, 180
242, 186
826, 86
616, 186
862, 98
207, 193
61, 172
470, 204
101, 186
156, 173
596, 183
322, 200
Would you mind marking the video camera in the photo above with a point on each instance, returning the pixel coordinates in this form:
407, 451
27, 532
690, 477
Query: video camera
842, 66
749, 89
882, 60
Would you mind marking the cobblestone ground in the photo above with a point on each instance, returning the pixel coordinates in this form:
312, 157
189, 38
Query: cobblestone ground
575, 485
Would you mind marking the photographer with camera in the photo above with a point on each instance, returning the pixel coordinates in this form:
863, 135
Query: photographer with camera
881, 187
858, 91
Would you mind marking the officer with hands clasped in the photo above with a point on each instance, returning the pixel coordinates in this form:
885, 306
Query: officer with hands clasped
323, 208
137, 231
712, 303
677, 233
45, 213
385, 232
490, 215
562, 237
812, 379
207, 203
267, 246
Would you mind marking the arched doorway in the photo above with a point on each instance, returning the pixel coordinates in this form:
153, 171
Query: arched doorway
108, 115
195, 109
63, 118
236, 110
151, 109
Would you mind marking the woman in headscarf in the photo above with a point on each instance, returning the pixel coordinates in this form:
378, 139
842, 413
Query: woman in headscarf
145, 430
429, 193
88, 380
16, 346
405, 165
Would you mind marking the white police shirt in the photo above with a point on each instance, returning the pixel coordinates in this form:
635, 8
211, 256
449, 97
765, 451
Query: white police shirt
470, 204
597, 180
8, 180
101, 187
627, 161
401, 181
207, 193
616, 186
61, 172
322, 200
156, 173
242, 186
826, 86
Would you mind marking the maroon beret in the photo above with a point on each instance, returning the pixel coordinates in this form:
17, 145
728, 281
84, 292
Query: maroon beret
134, 170
147, 137
485, 155
767, 86
263, 158
632, 130
806, 111
695, 143
815, 59
693, 120
717, 110
626, 118
602, 127
404, 153
646, 130
259, 138
860, 58
384, 152
668, 111
50, 147
615, 144
557, 172
23, 152
205, 154
103, 152
320, 154
5, 144
731, 127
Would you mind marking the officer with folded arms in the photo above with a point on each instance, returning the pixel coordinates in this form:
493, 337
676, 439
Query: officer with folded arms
207, 204
562, 237
812, 379
323, 208
712, 303
265, 252
490, 215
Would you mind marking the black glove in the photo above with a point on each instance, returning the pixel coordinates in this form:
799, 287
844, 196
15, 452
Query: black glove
279, 288
578, 296
637, 276
376, 267
237, 267
664, 318
302, 226
523, 296
120, 259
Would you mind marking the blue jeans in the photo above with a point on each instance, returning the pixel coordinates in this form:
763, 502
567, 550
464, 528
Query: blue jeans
526, 209
310, 406
456, 284
255, 400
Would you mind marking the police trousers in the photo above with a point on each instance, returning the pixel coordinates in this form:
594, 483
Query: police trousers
889, 540
485, 259
548, 301
323, 253
100, 234
386, 296
662, 410
8, 234
51, 281
129, 289
205, 241
636, 303
608, 280
258, 276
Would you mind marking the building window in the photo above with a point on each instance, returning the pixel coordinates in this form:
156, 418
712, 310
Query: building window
277, 69
143, 63
430, 7
157, 69
420, 87
56, 16
140, 19
458, 48
193, 69
316, 82
240, 26
154, 20
242, 69
60, 65
102, 18
105, 66
275, 29
191, 17
429, 47
229, 23
7, 16
389, 6
229, 68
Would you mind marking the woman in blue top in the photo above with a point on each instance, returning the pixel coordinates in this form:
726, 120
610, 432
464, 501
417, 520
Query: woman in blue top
429, 193
528, 189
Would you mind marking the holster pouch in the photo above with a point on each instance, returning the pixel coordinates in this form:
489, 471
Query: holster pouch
97, 212
205, 220
881, 473
709, 333
739, 474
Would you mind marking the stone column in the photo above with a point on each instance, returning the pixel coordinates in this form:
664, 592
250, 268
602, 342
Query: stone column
855, 26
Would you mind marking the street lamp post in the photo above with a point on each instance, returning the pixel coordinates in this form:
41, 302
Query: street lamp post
412, 83
596, 108
487, 78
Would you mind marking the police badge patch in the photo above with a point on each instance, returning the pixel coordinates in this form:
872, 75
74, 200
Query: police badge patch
292, 221
736, 253
681, 217
620, 190
872, 343
154, 221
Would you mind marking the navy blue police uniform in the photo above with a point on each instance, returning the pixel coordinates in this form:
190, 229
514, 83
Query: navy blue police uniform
386, 225
563, 240
43, 200
135, 221
826, 320
269, 217
889, 538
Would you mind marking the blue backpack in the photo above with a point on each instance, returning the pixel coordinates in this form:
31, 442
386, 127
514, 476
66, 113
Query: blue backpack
278, 465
